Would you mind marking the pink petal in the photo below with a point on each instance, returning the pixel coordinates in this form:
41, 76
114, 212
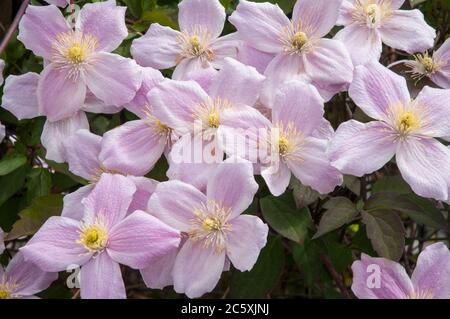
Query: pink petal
20, 97
113, 79
223, 47
395, 4
253, 57
93, 104
140, 239
82, 150
443, 53
237, 83
363, 44
277, 177
233, 185
407, 30
197, 269
144, 189
432, 273
159, 274
246, 239
73, 207
39, 27
188, 67
101, 278
55, 134
54, 246
425, 165
133, 148
58, 96
28, 278
329, 62
173, 202
442, 78
375, 89
260, 25
109, 200
59, 3
345, 13
161, 56
298, 104
393, 280
319, 16
359, 149
208, 14
113, 29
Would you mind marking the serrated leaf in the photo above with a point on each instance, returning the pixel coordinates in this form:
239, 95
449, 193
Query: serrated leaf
303, 195
340, 211
259, 281
12, 162
287, 220
386, 233
33, 217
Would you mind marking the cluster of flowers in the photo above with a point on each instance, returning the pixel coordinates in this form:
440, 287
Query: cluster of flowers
274, 74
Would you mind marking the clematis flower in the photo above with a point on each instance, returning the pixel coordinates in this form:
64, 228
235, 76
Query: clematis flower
379, 278
84, 156
105, 238
21, 99
402, 127
214, 227
435, 67
298, 45
197, 115
22, 279
369, 23
79, 58
196, 46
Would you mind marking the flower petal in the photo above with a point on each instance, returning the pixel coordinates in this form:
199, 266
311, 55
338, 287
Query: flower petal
113, 79
223, 47
197, 269
113, 29
101, 278
159, 274
425, 165
189, 67
260, 25
233, 185
39, 27
359, 149
73, 202
58, 96
161, 56
253, 57
375, 89
55, 134
345, 13
319, 16
144, 189
277, 177
82, 150
407, 30
379, 278
140, 239
54, 246
208, 14
20, 97
246, 239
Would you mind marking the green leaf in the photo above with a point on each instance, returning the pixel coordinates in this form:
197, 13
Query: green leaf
285, 219
353, 184
159, 16
303, 195
339, 211
33, 217
11, 183
259, 281
307, 258
11, 162
386, 233
340, 255
393, 184
39, 183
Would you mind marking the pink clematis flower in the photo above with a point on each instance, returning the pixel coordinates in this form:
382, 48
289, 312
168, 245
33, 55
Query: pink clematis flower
84, 156
298, 45
403, 127
368, 23
196, 46
435, 67
22, 279
215, 229
379, 278
105, 238
79, 58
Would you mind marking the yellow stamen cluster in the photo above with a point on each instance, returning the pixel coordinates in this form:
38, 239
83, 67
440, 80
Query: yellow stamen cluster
4, 294
426, 294
283, 145
289, 140
94, 237
196, 44
371, 13
214, 119
406, 122
299, 40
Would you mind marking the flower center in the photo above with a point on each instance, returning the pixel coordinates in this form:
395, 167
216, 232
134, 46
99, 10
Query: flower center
195, 44
214, 119
425, 294
407, 121
93, 237
373, 13
76, 54
208, 112
288, 141
4, 293
283, 145
370, 13
299, 40
210, 224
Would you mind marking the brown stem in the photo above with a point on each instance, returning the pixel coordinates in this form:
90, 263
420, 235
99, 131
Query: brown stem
336, 277
13, 26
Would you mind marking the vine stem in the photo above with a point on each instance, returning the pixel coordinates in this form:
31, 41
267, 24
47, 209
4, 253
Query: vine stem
335, 275
13, 26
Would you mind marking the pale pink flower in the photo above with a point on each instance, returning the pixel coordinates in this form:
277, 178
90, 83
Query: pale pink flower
299, 46
196, 46
22, 279
105, 238
380, 278
79, 58
404, 127
369, 23
216, 231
